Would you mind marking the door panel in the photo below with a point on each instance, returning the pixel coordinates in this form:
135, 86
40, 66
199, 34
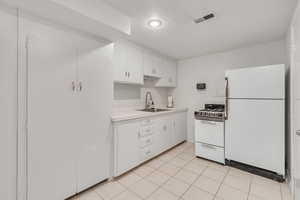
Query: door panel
297, 80
120, 73
127, 156
8, 103
163, 139
95, 104
297, 139
258, 82
255, 133
51, 113
135, 65
180, 128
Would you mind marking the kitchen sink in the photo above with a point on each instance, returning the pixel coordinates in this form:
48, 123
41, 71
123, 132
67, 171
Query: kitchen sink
154, 110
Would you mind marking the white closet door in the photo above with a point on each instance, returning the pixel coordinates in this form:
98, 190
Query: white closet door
51, 113
94, 126
8, 103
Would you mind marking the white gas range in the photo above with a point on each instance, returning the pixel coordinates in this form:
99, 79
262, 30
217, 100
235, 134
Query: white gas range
209, 132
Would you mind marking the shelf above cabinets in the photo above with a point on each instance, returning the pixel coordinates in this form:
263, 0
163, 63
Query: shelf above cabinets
132, 64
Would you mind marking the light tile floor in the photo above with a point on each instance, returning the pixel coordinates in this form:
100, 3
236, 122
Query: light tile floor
178, 175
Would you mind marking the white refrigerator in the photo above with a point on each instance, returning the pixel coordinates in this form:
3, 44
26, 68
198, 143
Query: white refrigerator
255, 125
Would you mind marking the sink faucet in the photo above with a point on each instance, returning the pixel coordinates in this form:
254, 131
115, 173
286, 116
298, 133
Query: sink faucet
149, 101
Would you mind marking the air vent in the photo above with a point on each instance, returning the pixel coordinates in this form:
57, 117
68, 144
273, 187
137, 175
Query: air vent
204, 18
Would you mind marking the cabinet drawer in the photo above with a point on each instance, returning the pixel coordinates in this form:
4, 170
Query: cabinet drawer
210, 152
146, 130
146, 141
147, 122
146, 153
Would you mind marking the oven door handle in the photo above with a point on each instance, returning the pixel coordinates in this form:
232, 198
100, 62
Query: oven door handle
226, 97
208, 122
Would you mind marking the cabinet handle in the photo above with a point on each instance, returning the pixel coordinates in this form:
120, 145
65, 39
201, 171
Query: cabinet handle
209, 146
165, 127
128, 74
208, 122
73, 86
298, 132
80, 86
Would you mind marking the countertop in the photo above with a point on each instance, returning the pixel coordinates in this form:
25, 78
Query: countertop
134, 114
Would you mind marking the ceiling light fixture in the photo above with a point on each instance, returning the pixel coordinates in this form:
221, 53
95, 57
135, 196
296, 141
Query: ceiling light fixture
155, 23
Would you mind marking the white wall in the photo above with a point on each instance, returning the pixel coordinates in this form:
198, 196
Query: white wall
210, 69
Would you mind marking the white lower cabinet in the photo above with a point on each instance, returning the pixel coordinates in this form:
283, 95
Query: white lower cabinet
127, 143
137, 141
180, 128
164, 131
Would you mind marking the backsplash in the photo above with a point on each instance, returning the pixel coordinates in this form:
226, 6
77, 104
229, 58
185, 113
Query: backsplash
133, 96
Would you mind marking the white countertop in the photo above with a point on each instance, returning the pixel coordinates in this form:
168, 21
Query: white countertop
134, 114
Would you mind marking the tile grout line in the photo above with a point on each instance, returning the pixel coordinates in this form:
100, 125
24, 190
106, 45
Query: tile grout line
281, 192
180, 168
250, 185
193, 182
173, 176
222, 182
159, 186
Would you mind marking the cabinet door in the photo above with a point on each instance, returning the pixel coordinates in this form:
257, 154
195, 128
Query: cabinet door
127, 147
8, 105
120, 60
128, 64
135, 65
52, 116
94, 137
151, 64
169, 74
180, 130
163, 139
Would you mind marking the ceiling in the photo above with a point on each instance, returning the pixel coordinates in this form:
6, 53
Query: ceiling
238, 23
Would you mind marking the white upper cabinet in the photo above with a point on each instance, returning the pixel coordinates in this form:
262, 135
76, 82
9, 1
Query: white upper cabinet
152, 65
132, 63
169, 74
128, 64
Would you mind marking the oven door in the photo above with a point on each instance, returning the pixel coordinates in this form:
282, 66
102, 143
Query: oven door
209, 132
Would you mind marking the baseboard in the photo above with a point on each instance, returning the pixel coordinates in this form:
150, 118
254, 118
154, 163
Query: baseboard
255, 170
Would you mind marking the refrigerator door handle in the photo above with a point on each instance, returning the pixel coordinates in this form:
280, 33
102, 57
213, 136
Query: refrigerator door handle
226, 97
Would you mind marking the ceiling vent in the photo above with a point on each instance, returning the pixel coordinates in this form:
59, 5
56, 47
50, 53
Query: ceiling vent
204, 18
